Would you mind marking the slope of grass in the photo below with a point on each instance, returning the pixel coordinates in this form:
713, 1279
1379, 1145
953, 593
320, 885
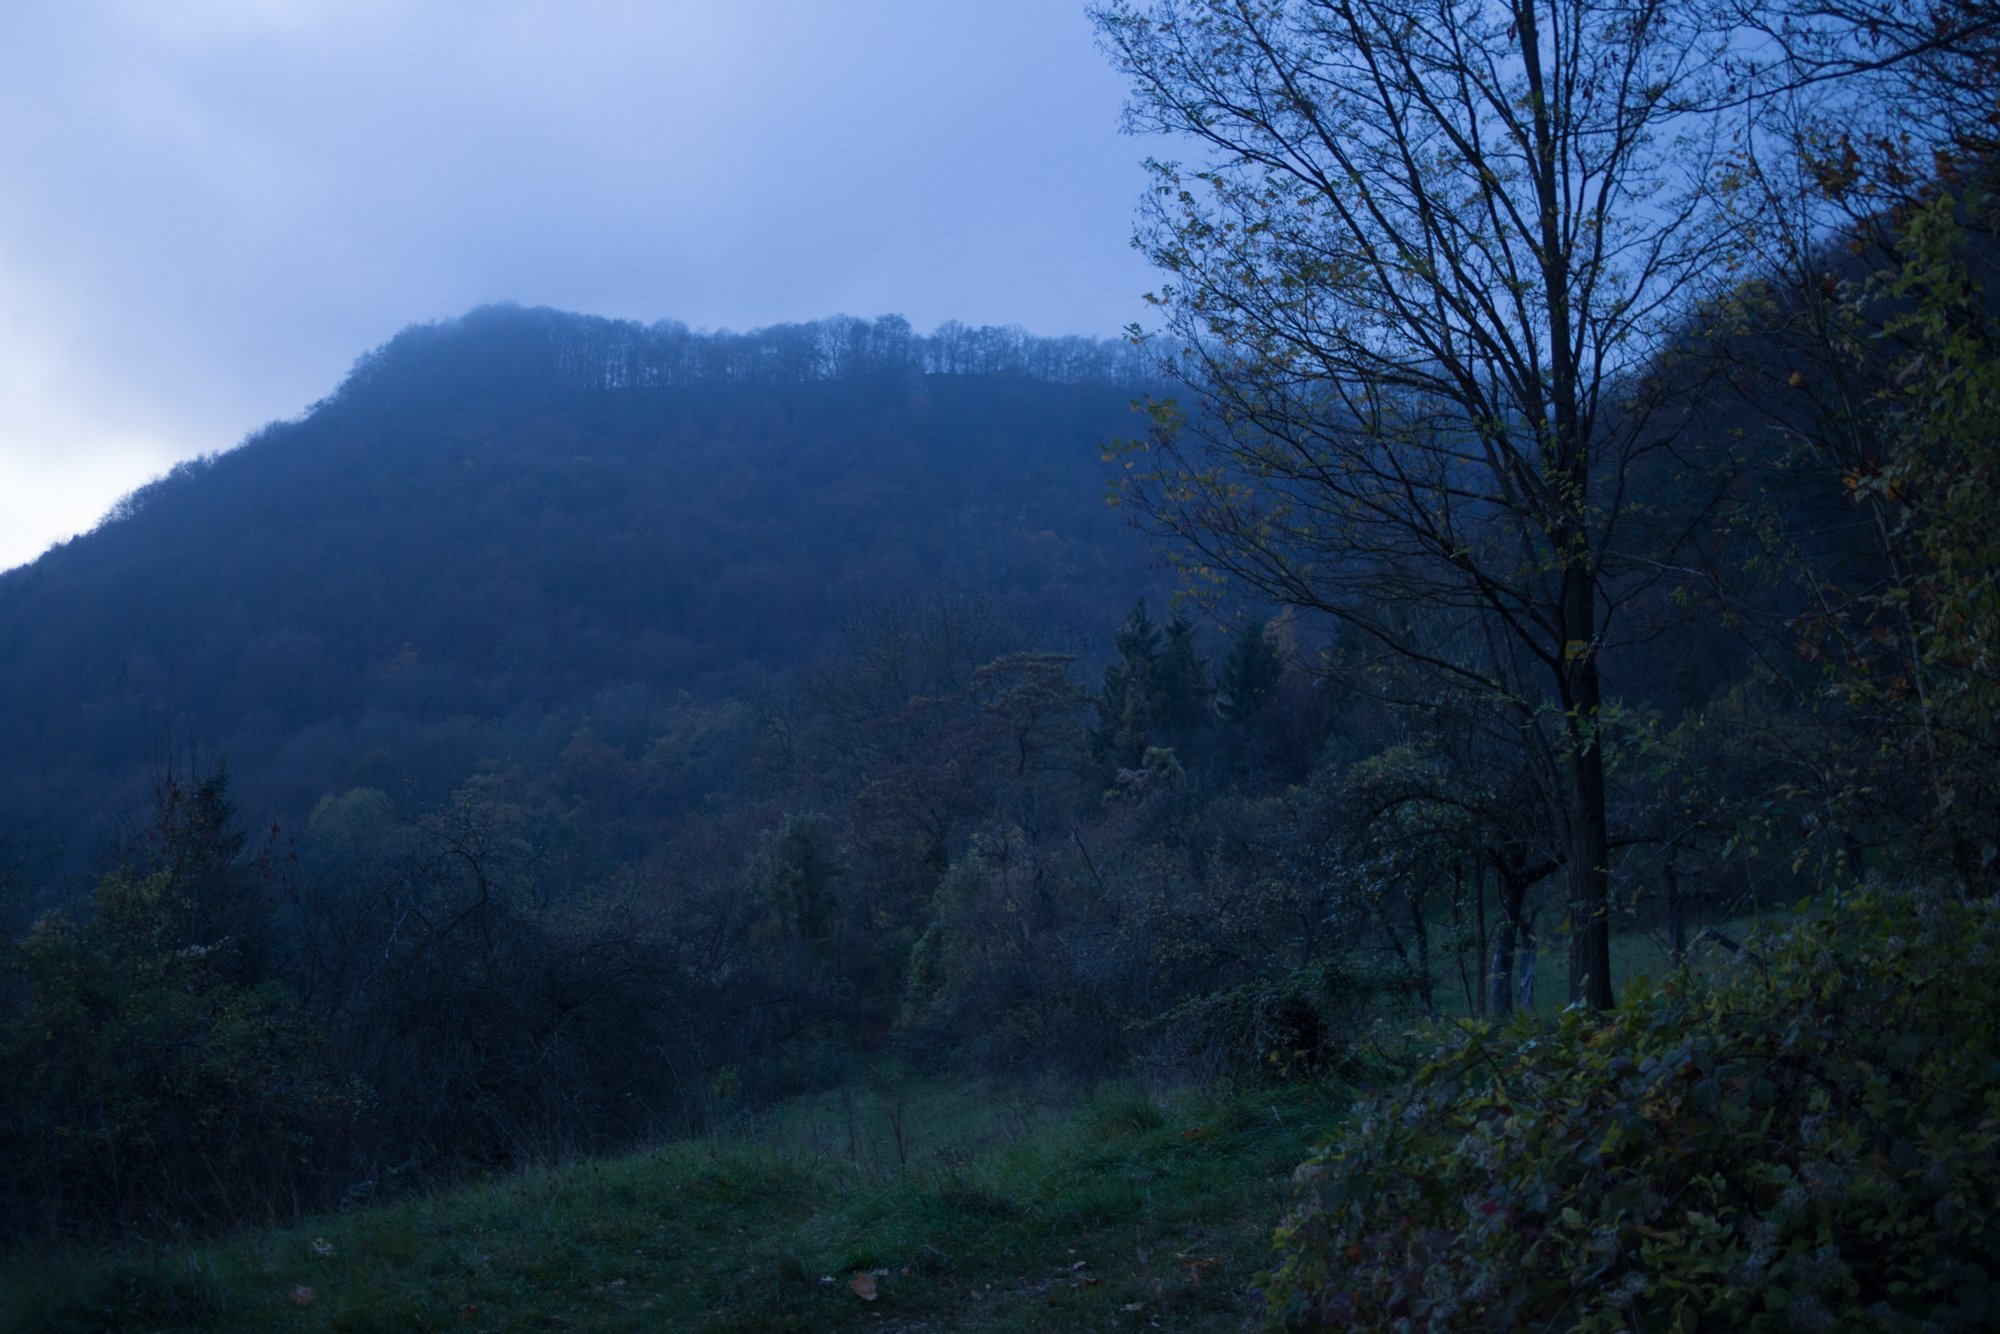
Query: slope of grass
1128, 1212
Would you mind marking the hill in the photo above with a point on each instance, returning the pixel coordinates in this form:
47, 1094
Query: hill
508, 527
570, 732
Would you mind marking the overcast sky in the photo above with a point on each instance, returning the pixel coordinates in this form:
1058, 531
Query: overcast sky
210, 208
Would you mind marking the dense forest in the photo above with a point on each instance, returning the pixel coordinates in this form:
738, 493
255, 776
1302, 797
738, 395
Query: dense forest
572, 735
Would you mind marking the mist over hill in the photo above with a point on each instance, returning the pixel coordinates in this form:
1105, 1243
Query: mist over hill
504, 528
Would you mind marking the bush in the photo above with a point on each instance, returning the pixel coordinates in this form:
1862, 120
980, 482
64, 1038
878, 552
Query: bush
1278, 1026
1806, 1139
145, 1088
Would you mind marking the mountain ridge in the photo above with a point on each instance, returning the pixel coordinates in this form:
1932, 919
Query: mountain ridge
521, 509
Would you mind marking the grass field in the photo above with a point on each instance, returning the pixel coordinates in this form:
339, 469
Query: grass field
957, 1205
955, 1209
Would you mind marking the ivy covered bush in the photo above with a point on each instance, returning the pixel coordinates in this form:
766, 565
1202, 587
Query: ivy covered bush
1806, 1137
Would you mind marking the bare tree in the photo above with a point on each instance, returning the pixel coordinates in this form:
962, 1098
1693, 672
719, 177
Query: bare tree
1416, 276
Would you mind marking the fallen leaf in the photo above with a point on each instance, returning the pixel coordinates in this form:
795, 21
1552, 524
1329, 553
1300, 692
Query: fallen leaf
1133, 1306
303, 1296
864, 1286
466, 1312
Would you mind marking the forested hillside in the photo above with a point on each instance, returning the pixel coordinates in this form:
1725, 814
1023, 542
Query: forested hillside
570, 734
519, 530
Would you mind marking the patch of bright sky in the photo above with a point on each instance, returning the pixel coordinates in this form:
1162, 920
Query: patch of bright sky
213, 206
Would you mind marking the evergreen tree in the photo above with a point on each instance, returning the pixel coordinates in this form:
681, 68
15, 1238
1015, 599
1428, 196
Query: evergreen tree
1250, 671
1182, 694
1125, 705
197, 847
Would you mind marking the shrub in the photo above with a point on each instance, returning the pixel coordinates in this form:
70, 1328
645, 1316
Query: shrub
1805, 1139
1281, 1026
144, 1086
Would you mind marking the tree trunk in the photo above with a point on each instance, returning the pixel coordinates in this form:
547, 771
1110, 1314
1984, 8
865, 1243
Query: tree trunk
1507, 939
1566, 455
1423, 935
1479, 919
1525, 932
1677, 934
1473, 1001
1589, 886
1500, 980
1589, 851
